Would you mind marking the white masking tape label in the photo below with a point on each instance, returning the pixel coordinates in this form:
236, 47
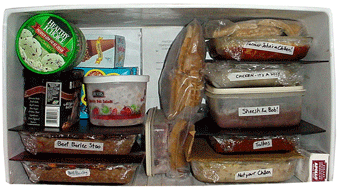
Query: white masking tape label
271, 47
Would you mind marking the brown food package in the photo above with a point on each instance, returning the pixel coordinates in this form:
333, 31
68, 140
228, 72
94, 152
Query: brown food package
181, 81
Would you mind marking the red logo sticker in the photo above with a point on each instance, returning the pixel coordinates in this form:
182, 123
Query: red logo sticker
319, 169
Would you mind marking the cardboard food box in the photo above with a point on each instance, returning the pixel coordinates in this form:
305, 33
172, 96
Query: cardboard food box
104, 49
314, 166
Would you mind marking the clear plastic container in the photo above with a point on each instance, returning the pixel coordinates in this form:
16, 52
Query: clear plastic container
225, 144
255, 107
232, 74
116, 100
63, 168
211, 167
61, 143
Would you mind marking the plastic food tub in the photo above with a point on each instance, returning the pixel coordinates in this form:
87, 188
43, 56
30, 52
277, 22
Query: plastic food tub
232, 74
47, 43
116, 100
255, 107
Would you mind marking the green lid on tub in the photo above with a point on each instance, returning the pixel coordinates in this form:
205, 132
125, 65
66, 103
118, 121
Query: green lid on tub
47, 43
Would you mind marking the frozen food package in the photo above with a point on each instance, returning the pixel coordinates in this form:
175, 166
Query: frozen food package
232, 74
209, 166
255, 107
82, 169
254, 28
225, 144
314, 166
257, 40
181, 81
156, 139
77, 144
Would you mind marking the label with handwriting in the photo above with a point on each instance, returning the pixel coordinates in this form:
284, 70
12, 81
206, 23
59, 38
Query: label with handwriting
258, 111
78, 173
268, 172
259, 75
271, 47
79, 145
262, 144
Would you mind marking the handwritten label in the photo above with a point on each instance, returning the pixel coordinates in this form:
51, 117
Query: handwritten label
78, 173
271, 47
254, 174
262, 144
261, 75
258, 111
79, 145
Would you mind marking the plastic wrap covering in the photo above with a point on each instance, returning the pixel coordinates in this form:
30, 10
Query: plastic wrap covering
246, 144
209, 166
80, 173
243, 172
68, 143
257, 40
181, 90
254, 28
230, 74
255, 107
181, 82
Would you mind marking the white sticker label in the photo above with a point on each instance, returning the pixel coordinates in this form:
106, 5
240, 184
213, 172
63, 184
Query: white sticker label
258, 111
271, 47
262, 144
78, 173
261, 75
254, 174
79, 145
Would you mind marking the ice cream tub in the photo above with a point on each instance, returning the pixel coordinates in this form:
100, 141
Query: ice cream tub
115, 101
47, 44
255, 107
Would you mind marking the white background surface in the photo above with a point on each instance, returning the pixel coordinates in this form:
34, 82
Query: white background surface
333, 5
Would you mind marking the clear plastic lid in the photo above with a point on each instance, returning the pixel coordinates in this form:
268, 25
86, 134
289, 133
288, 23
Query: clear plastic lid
260, 90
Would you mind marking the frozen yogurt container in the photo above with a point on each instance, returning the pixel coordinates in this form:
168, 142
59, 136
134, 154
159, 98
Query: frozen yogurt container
116, 100
47, 43
255, 107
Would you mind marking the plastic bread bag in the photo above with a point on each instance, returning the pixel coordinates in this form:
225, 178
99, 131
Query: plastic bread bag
231, 74
181, 81
257, 40
225, 144
66, 143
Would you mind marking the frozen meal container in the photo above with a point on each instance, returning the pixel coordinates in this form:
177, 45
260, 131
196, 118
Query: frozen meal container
281, 48
157, 129
255, 107
258, 39
209, 166
232, 74
77, 144
225, 144
116, 100
81, 138
82, 169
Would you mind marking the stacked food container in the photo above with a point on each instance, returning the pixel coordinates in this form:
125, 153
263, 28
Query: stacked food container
254, 94
59, 147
